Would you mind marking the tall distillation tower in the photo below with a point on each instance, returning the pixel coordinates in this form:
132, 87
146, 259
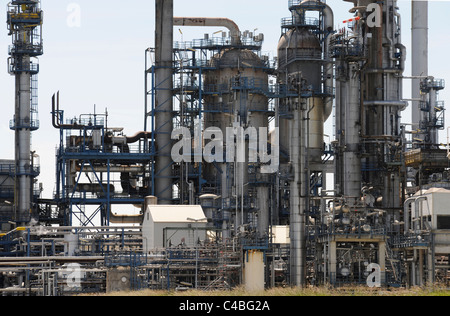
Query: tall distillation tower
305, 65
369, 172
370, 63
24, 19
163, 112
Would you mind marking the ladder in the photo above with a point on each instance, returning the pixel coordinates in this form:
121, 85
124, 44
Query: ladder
394, 263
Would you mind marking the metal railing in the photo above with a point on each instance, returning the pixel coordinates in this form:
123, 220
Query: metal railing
8, 169
306, 21
224, 42
32, 68
24, 124
29, 49
411, 241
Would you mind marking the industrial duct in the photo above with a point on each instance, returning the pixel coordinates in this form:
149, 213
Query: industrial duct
220, 22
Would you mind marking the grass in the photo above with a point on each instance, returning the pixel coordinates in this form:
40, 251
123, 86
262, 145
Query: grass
294, 292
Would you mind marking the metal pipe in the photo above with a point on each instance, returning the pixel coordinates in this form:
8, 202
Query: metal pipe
351, 156
296, 202
406, 211
138, 136
401, 104
220, 22
55, 115
110, 230
416, 210
125, 219
122, 169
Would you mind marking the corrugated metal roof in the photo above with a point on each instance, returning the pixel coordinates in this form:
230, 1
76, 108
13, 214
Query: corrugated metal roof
177, 214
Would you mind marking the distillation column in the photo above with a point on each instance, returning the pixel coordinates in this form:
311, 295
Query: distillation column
382, 107
304, 63
348, 119
163, 110
419, 57
372, 77
24, 21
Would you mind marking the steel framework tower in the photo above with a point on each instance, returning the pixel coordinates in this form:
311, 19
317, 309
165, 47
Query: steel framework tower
305, 65
24, 19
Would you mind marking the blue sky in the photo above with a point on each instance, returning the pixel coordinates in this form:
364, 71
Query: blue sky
102, 61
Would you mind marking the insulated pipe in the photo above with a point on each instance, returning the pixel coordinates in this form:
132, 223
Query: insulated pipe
416, 209
351, 156
220, 22
406, 211
125, 219
138, 136
394, 103
297, 203
94, 188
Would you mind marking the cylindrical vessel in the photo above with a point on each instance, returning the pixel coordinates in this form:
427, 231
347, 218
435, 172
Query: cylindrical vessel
23, 125
237, 77
300, 62
300, 51
419, 51
315, 129
164, 104
208, 203
235, 96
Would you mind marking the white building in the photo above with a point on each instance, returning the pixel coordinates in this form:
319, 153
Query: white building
173, 225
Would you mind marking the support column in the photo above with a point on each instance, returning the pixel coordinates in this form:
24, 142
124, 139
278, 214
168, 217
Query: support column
382, 259
430, 267
421, 268
332, 252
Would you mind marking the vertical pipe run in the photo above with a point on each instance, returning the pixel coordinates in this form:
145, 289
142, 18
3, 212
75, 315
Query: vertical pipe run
164, 104
352, 161
296, 202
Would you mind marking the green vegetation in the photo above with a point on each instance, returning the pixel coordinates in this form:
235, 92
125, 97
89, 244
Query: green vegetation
297, 292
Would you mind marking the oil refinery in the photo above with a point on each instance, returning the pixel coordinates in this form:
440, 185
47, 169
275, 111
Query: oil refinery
233, 174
